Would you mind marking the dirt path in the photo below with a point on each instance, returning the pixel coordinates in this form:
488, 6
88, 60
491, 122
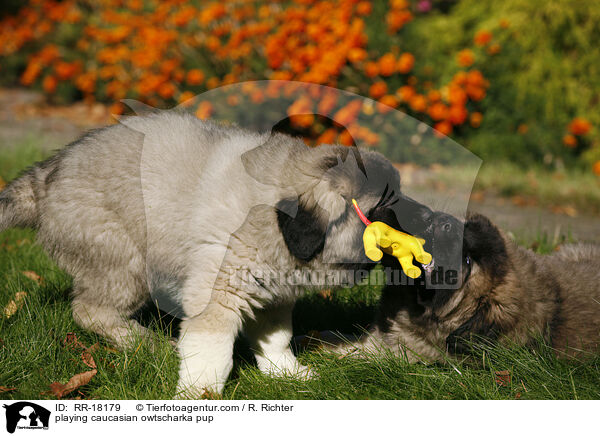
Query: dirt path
24, 119
528, 222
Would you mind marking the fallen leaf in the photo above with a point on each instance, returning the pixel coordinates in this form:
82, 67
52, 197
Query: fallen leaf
325, 294
15, 304
519, 200
75, 382
517, 395
2, 183
210, 395
570, 211
88, 359
436, 168
503, 378
71, 340
478, 196
33, 276
4, 389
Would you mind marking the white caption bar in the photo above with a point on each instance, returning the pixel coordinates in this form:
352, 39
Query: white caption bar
298, 417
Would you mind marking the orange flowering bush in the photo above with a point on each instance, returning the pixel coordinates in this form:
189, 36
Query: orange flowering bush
577, 128
163, 52
576, 139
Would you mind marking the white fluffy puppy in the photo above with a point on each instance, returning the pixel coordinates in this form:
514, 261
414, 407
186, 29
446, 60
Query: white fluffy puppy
198, 216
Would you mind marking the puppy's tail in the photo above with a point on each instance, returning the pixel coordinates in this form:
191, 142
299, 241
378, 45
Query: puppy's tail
18, 201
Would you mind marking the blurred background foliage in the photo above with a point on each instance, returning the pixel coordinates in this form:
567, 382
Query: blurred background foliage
513, 80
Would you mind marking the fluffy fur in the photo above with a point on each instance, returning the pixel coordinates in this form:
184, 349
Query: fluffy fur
507, 293
173, 208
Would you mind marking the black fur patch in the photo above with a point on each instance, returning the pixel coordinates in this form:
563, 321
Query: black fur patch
485, 245
303, 234
402, 213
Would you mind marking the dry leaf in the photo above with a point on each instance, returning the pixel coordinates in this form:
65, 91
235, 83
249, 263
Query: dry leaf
4, 389
2, 183
503, 378
88, 359
325, 294
519, 200
72, 341
517, 395
33, 276
15, 304
78, 380
210, 395
478, 196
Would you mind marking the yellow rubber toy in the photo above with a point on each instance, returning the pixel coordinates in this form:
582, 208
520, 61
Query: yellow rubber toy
379, 238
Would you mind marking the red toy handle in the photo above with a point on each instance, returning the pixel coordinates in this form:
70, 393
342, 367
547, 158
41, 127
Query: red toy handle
361, 215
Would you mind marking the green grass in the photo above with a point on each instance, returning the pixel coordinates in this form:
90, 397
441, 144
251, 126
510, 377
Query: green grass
14, 159
32, 354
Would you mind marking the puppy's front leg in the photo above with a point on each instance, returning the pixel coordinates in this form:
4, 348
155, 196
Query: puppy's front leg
269, 335
206, 350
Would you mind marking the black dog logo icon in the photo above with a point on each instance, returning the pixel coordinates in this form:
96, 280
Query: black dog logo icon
24, 414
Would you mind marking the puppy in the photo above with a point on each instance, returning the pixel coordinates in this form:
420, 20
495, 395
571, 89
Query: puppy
506, 292
208, 221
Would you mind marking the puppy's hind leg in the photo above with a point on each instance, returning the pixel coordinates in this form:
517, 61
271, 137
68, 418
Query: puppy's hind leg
270, 334
105, 305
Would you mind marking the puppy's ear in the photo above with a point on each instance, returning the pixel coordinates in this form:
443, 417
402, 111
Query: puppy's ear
486, 246
477, 329
304, 233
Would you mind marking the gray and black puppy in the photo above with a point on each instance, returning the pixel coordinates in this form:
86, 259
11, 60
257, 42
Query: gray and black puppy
506, 293
171, 207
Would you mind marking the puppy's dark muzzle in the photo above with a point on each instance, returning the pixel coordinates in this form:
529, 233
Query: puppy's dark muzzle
414, 217
404, 214
445, 242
